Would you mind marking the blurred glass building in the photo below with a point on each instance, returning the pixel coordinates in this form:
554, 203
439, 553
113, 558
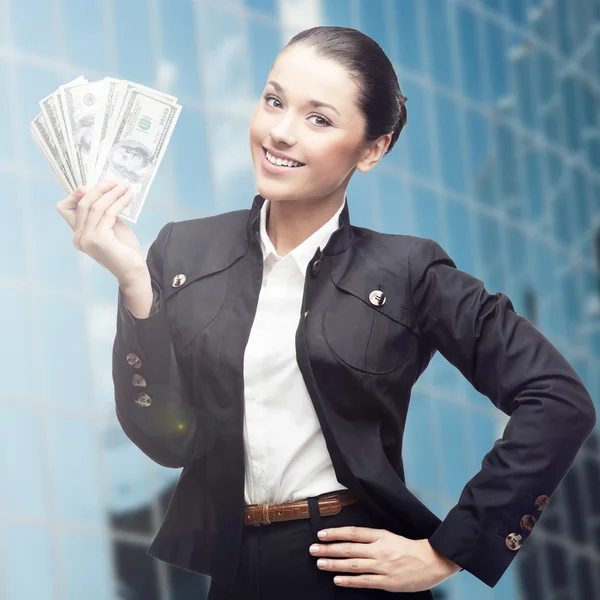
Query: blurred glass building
499, 162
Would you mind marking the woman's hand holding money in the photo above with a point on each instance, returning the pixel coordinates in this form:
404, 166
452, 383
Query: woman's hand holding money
99, 232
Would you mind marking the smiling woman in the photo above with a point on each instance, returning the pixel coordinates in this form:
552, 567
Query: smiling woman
332, 103
276, 349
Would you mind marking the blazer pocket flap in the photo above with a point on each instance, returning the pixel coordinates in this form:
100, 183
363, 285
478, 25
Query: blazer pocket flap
183, 267
376, 292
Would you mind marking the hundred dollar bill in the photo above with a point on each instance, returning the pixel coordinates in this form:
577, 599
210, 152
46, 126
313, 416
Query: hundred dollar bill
105, 124
41, 135
82, 103
127, 86
53, 115
137, 145
112, 106
49, 160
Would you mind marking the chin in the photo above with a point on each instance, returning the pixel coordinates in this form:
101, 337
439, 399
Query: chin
276, 192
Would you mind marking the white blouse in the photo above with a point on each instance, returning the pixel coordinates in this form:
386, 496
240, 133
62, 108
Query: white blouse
286, 455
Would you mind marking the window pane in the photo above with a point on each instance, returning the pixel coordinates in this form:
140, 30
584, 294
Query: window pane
480, 156
134, 46
179, 66
373, 21
439, 41
469, 53
496, 59
406, 29
461, 234
447, 116
417, 135
428, 213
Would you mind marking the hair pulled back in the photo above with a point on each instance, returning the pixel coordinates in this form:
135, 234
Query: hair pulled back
379, 96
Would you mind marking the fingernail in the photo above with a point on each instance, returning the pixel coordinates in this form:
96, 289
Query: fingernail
314, 548
322, 534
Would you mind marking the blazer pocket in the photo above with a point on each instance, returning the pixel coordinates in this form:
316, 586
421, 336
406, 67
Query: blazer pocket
364, 337
195, 305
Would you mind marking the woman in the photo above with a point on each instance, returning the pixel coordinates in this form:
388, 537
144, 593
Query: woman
271, 353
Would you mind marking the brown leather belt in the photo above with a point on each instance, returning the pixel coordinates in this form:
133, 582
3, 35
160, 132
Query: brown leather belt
265, 514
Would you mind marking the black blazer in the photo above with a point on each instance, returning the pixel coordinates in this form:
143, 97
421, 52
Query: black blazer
178, 378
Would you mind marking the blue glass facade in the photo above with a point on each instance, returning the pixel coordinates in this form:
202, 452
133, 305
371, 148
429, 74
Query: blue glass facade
499, 163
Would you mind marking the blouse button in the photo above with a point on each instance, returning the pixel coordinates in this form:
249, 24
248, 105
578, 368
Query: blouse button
541, 502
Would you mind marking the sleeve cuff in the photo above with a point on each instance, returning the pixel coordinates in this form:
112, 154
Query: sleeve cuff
488, 555
149, 337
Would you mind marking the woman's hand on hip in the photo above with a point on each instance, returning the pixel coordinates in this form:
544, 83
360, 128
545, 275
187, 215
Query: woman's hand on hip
389, 562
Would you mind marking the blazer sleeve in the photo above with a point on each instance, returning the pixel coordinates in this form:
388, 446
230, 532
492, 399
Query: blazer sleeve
152, 399
508, 360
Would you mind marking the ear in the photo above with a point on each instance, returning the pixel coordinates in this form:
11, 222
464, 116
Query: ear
373, 153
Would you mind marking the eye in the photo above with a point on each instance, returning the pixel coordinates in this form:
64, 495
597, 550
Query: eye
328, 123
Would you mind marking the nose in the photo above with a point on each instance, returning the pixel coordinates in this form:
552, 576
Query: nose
282, 132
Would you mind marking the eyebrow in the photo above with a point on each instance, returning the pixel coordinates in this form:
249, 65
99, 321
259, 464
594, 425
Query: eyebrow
315, 103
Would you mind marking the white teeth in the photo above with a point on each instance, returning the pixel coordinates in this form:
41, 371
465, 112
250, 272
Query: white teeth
282, 162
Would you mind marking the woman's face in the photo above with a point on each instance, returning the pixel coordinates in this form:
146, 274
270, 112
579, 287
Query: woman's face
327, 140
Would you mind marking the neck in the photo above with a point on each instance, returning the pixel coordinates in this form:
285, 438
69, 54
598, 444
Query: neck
289, 223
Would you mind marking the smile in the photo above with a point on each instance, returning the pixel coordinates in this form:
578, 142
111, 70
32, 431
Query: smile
279, 163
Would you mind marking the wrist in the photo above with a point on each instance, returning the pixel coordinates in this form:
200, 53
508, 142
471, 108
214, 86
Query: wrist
139, 281
447, 564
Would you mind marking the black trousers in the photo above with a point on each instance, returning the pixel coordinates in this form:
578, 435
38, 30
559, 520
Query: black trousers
275, 563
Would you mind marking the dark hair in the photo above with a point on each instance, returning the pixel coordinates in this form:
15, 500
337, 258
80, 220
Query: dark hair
379, 96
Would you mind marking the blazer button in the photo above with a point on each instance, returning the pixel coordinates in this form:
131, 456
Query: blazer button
134, 360
143, 399
179, 280
377, 298
541, 502
528, 522
316, 267
513, 541
138, 381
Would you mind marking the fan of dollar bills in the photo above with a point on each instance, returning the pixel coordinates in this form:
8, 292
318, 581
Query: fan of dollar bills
111, 129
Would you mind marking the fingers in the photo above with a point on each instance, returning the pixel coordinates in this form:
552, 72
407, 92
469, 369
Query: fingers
114, 210
97, 208
83, 206
67, 206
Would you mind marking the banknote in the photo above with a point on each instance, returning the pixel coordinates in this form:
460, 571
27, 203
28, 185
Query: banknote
83, 103
41, 134
137, 144
112, 107
106, 129
115, 93
54, 118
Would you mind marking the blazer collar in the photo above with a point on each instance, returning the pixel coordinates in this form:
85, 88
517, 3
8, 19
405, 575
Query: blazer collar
196, 260
341, 239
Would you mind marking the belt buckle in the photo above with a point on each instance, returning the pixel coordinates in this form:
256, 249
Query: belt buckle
252, 506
